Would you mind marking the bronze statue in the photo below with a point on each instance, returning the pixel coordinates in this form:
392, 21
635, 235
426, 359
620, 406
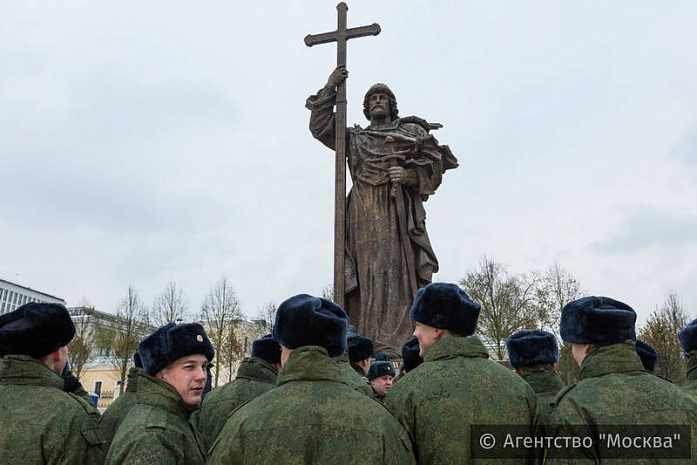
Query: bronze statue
395, 165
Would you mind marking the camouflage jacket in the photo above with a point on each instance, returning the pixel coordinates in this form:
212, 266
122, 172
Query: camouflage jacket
454, 388
546, 385
116, 412
157, 429
254, 377
691, 381
41, 424
312, 417
352, 377
615, 391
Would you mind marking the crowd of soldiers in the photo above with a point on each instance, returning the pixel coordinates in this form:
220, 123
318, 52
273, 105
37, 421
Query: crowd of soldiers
309, 393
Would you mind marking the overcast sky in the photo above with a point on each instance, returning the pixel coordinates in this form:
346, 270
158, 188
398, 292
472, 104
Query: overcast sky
144, 142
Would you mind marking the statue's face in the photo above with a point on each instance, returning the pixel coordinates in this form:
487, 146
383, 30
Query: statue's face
379, 106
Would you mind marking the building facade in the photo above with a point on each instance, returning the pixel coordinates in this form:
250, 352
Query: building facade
14, 295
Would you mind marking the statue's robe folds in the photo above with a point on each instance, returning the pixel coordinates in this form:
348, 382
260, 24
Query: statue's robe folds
377, 278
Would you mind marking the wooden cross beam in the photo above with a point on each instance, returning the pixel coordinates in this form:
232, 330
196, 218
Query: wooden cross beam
340, 36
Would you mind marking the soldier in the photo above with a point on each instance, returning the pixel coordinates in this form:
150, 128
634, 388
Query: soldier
614, 390
352, 375
410, 358
360, 351
533, 354
157, 428
40, 423
647, 354
117, 411
380, 376
312, 416
688, 341
456, 386
256, 375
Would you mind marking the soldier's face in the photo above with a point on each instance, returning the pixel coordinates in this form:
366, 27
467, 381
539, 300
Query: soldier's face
188, 376
382, 384
426, 336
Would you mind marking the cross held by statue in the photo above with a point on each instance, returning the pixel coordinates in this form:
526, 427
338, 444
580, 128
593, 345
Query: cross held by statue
340, 36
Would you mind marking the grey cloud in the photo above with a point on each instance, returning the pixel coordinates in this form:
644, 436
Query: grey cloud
685, 150
649, 227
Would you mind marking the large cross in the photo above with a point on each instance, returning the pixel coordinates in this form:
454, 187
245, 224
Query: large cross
340, 36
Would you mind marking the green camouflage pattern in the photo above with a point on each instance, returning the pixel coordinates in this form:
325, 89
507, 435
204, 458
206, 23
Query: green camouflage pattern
41, 424
455, 387
157, 429
616, 390
546, 384
254, 377
312, 417
691, 381
117, 410
352, 378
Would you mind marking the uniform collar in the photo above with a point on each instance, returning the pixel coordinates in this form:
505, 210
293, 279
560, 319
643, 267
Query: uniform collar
309, 363
161, 394
258, 370
615, 358
451, 347
28, 371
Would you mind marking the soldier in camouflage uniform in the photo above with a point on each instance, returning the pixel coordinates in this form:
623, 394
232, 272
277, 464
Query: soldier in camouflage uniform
157, 429
688, 341
410, 358
312, 416
351, 376
255, 376
117, 410
360, 351
40, 423
533, 354
614, 389
456, 386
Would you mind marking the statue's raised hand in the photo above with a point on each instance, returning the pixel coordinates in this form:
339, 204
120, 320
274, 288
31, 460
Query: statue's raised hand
338, 76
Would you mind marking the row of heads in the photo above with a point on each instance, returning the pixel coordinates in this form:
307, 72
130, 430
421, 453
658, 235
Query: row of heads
38, 329
530, 347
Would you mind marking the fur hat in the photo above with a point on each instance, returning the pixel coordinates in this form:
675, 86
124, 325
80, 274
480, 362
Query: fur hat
410, 355
688, 337
171, 342
380, 368
35, 329
266, 349
381, 356
304, 320
532, 347
445, 306
599, 321
647, 354
137, 362
359, 348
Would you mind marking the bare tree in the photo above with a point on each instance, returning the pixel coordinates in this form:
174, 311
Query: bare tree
169, 306
661, 331
508, 302
557, 287
222, 315
122, 335
267, 318
328, 292
81, 347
